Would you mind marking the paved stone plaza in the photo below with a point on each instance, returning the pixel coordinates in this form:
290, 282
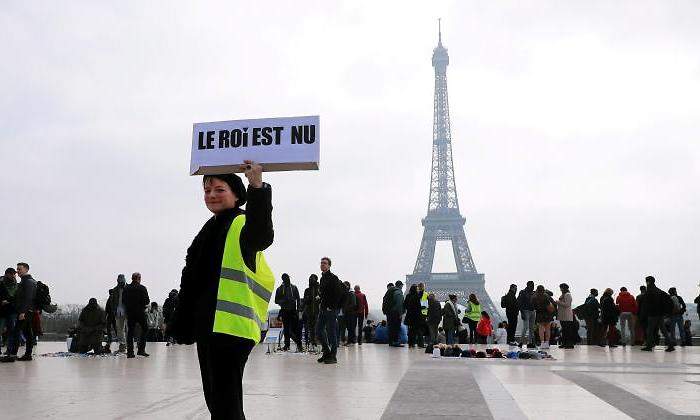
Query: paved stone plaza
370, 382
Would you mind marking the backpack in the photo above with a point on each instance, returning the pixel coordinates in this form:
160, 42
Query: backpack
386, 302
340, 293
42, 298
677, 308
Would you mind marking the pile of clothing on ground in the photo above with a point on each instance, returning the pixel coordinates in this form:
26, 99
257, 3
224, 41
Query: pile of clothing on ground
454, 350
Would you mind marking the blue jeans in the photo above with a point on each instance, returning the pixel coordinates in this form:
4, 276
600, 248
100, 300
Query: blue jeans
450, 336
676, 320
528, 324
9, 322
327, 330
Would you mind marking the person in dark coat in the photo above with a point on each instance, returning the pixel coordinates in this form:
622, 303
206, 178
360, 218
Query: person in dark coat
116, 316
450, 319
658, 305
24, 307
287, 297
350, 313
222, 357
92, 324
609, 315
642, 317
135, 301
8, 315
394, 313
332, 297
310, 304
592, 312
544, 314
509, 302
527, 314
168, 314
413, 319
433, 319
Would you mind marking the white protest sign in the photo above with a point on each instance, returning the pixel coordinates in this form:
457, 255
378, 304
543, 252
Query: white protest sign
278, 144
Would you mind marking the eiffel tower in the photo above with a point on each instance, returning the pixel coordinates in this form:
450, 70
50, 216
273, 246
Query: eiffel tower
444, 221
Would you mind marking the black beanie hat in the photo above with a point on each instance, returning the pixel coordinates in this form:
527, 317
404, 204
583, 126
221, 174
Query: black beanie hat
234, 182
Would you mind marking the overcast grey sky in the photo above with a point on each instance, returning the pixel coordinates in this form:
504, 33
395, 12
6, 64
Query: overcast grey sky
575, 135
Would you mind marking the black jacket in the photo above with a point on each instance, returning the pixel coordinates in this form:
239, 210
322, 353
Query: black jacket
169, 308
510, 303
8, 288
194, 315
26, 291
310, 303
434, 312
657, 302
608, 310
331, 290
413, 310
525, 299
113, 301
287, 297
135, 298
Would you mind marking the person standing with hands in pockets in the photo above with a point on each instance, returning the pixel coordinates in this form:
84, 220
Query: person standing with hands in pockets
226, 286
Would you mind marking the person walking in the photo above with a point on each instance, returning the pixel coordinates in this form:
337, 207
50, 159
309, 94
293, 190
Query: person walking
676, 317
24, 307
362, 312
527, 315
544, 314
627, 305
310, 313
116, 316
135, 301
226, 286
331, 292
8, 314
472, 316
395, 312
450, 319
413, 315
565, 315
168, 312
509, 302
658, 305
609, 316
91, 326
591, 314
434, 318
287, 297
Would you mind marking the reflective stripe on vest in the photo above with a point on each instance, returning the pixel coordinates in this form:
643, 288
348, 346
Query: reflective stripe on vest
424, 304
243, 296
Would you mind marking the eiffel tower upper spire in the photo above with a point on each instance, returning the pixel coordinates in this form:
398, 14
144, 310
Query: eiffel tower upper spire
443, 192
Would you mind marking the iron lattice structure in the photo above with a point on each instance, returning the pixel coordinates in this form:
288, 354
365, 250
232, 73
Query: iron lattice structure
444, 221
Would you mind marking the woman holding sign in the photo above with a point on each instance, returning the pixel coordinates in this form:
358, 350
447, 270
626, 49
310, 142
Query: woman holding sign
226, 286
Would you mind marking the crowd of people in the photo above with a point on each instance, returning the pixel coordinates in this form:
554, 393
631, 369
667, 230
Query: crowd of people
640, 318
128, 316
332, 313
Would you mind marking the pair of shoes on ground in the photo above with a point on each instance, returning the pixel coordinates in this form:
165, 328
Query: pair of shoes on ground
396, 345
328, 359
668, 349
141, 353
10, 359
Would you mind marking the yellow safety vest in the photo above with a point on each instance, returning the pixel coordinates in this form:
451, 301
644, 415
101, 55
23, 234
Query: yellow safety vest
243, 297
424, 303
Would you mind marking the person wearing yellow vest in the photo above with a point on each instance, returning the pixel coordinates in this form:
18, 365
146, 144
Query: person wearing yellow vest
472, 316
226, 286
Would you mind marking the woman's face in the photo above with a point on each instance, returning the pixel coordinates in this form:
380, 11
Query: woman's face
218, 196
